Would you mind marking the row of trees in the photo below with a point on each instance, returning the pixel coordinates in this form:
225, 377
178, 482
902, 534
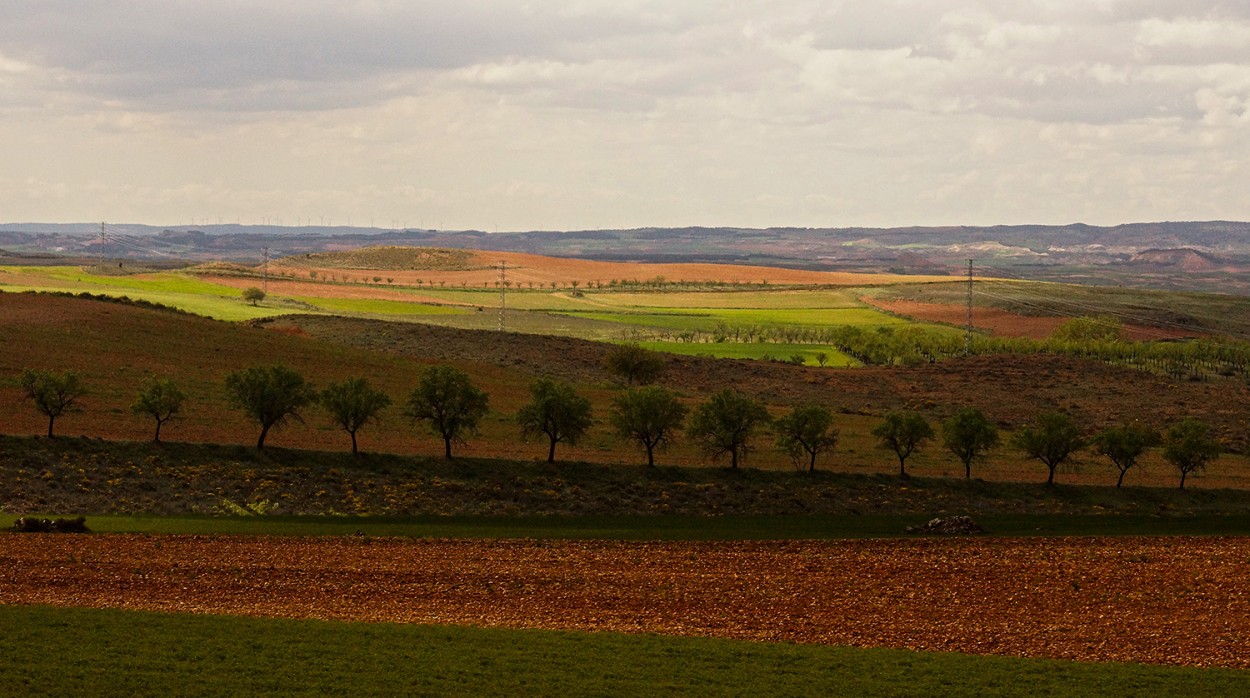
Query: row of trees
912, 345
727, 425
1054, 439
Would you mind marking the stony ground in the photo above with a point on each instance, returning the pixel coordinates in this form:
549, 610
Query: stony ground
1159, 600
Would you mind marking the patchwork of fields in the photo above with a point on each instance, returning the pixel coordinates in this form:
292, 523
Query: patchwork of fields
1175, 601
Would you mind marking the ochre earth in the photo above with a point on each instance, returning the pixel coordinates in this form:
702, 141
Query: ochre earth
1159, 600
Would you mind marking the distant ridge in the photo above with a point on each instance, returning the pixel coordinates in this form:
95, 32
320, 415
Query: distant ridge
1217, 252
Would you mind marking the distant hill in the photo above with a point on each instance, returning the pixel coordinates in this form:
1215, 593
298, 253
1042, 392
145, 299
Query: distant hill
1183, 260
1216, 254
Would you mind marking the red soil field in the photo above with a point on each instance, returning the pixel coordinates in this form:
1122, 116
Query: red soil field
1177, 601
524, 269
1003, 323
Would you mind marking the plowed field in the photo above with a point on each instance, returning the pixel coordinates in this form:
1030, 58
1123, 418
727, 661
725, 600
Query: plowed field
1158, 600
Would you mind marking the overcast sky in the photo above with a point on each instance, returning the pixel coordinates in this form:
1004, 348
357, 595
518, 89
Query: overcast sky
624, 113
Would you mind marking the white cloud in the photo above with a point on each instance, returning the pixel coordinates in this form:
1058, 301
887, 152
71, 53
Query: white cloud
565, 114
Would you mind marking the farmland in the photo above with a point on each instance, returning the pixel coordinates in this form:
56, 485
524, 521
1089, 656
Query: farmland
341, 322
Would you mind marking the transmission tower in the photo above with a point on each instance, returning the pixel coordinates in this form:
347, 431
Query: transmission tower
265, 272
968, 329
503, 291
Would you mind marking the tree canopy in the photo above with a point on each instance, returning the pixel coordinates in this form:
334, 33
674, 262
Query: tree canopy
904, 433
159, 398
805, 433
352, 404
1189, 446
1052, 438
1124, 444
270, 395
556, 411
969, 435
650, 415
448, 403
638, 366
253, 295
726, 423
54, 394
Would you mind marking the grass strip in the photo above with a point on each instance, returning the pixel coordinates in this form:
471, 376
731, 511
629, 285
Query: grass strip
70, 651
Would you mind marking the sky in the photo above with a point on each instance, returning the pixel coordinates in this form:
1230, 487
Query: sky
581, 114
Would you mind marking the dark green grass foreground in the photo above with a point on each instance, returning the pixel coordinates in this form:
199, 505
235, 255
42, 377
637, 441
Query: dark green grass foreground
661, 527
50, 651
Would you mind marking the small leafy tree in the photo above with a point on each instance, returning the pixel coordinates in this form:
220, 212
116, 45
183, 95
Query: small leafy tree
253, 295
159, 398
969, 435
557, 412
649, 415
352, 404
1052, 439
1189, 446
805, 433
54, 394
726, 423
271, 395
448, 403
1124, 444
904, 433
638, 366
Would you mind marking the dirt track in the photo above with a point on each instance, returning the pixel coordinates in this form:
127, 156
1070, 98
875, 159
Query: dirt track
1159, 600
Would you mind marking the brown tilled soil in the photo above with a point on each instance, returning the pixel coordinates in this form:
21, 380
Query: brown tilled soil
1012, 389
1158, 600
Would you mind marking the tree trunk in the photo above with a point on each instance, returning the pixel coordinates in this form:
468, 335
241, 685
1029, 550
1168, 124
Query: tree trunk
650, 455
447, 447
811, 465
353, 433
51, 419
551, 452
1183, 474
902, 469
968, 469
1120, 480
733, 459
1050, 479
157, 438
260, 443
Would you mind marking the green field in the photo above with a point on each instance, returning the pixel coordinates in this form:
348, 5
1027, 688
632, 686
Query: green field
755, 350
69, 651
371, 306
175, 289
592, 314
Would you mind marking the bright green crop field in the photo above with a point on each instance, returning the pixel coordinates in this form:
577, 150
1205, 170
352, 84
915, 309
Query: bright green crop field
755, 350
372, 306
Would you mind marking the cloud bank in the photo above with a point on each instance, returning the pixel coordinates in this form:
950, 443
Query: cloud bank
565, 115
